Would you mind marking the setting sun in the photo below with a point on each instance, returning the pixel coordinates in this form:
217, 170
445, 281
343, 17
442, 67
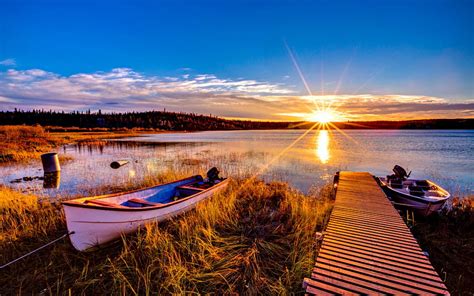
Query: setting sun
321, 116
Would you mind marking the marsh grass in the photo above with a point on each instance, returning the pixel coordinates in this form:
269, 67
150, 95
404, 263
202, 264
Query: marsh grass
254, 238
22, 143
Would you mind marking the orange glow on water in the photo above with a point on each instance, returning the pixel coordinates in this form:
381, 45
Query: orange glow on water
322, 146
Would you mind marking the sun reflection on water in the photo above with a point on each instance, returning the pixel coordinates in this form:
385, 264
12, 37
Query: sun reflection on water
322, 148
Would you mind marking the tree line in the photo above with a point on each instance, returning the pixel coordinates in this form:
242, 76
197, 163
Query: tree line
162, 120
177, 121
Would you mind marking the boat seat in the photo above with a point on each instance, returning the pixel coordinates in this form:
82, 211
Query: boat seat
416, 190
191, 188
143, 202
423, 184
103, 203
396, 184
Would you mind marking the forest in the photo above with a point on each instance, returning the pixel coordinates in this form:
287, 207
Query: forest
177, 121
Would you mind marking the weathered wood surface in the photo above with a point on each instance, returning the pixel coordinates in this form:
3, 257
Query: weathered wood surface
367, 247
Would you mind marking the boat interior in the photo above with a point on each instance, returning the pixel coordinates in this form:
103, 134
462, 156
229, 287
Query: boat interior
155, 196
180, 192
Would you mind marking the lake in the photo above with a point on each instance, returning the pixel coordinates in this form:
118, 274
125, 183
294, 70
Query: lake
304, 159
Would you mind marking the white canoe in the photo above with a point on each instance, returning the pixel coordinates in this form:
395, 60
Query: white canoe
101, 219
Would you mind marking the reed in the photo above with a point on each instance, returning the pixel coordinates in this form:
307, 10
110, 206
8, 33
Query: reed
252, 239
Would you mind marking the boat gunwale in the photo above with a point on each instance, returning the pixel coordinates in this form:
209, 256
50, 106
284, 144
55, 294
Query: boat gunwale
74, 203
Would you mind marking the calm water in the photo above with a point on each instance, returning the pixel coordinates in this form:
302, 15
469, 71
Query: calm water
303, 160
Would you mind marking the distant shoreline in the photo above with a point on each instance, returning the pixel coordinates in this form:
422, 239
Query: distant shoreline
162, 121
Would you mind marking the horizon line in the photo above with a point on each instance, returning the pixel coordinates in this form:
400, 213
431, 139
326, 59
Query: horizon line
96, 112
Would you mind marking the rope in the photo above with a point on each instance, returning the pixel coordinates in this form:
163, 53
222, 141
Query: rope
36, 250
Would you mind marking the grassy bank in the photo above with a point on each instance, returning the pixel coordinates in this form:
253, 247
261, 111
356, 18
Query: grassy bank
252, 239
448, 237
248, 240
24, 143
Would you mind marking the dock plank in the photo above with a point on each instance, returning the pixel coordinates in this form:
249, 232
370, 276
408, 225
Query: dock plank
368, 249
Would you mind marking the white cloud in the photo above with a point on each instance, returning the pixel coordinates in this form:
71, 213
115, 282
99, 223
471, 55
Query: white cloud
123, 89
8, 62
6, 100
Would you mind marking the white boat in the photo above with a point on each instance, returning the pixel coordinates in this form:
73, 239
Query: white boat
422, 196
100, 219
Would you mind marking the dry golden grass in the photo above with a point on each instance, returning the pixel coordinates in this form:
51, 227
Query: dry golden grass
252, 239
25, 143
21, 142
13, 217
256, 239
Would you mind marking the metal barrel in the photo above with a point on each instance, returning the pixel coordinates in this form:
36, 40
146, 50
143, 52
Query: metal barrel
50, 162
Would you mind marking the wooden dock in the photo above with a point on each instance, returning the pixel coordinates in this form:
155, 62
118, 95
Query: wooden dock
367, 247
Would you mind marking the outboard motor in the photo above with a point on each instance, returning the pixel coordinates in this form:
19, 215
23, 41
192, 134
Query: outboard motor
396, 179
213, 175
400, 172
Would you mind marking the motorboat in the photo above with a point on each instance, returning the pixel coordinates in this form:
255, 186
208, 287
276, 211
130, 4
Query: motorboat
422, 196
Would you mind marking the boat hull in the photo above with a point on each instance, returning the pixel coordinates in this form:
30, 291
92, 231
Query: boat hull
93, 226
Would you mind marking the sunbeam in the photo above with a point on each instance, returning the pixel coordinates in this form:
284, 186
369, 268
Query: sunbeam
297, 67
342, 132
323, 113
265, 166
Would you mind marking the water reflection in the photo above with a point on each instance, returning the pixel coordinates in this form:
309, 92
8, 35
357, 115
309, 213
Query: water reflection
52, 180
310, 162
322, 149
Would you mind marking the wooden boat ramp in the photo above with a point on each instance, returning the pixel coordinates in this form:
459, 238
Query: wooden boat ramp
367, 248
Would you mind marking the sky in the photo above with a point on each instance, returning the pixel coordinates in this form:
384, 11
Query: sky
265, 60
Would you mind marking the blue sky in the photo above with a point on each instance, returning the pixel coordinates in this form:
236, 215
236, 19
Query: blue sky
365, 57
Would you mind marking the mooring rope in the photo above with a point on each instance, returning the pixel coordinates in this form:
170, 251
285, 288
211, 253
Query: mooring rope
36, 250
